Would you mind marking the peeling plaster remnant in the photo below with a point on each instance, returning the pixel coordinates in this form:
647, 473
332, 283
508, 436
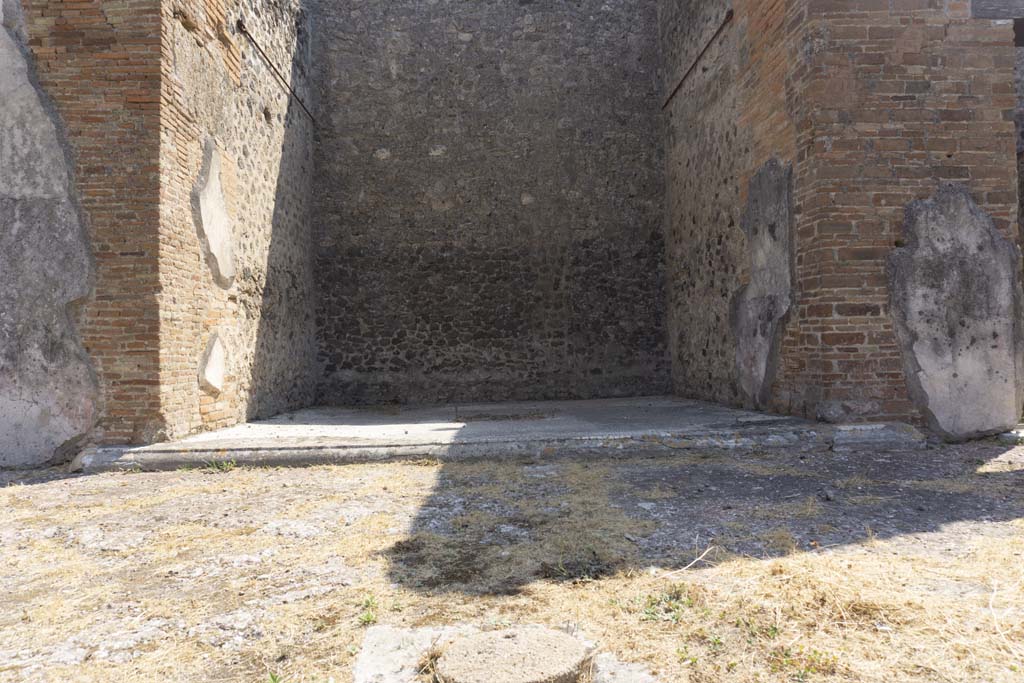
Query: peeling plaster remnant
48, 392
212, 219
956, 303
760, 308
213, 366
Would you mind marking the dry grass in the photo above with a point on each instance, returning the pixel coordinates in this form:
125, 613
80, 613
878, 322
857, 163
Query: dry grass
878, 610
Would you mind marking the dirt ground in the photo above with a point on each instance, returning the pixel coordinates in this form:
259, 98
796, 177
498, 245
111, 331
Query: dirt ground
726, 566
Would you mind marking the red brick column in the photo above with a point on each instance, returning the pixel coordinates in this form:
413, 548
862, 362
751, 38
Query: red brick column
899, 98
99, 61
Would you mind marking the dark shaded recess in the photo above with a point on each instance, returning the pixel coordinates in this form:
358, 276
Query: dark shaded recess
488, 201
288, 300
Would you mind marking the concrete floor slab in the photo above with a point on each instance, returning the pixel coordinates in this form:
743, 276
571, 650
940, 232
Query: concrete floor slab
486, 430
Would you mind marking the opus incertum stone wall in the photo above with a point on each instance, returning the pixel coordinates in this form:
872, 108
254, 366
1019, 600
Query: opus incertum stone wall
238, 302
488, 200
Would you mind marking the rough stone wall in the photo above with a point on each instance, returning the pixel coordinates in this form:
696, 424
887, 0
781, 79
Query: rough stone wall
48, 392
900, 100
98, 61
237, 301
489, 200
729, 86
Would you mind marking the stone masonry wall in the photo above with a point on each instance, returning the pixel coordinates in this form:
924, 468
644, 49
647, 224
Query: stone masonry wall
489, 200
237, 302
98, 63
730, 78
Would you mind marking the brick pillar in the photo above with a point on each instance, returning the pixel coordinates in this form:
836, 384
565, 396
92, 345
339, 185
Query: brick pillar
899, 98
99, 61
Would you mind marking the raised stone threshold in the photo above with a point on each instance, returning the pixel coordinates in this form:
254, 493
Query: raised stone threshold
604, 427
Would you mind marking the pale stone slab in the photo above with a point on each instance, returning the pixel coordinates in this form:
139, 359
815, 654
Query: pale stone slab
47, 387
957, 305
212, 218
517, 655
214, 366
393, 655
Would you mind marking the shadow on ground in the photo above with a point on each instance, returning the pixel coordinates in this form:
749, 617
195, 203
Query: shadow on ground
493, 528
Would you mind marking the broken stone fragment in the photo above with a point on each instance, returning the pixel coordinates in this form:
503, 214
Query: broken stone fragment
213, 222
760, 308
214, 366
956, 305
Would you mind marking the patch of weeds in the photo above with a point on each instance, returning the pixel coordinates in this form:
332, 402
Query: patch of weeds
757, 631
780, 540
368, 616
855, 482
715, 643
667, 606
220, 466
810, 507
585, 568
427, 669
274, 678
659, 492
686, 657
867, 500
798, 665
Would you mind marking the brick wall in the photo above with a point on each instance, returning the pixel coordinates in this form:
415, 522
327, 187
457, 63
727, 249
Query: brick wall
897, 100
99, 61
874, 104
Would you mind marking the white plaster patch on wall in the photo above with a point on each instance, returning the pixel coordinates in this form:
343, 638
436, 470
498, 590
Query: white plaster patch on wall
760, 308
31, 159
213, 220
48, 393
213, 367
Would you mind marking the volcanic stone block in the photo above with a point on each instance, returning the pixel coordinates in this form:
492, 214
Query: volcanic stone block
760, 308
213, 221
48, 392
518, 655
956, 303
998, 9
